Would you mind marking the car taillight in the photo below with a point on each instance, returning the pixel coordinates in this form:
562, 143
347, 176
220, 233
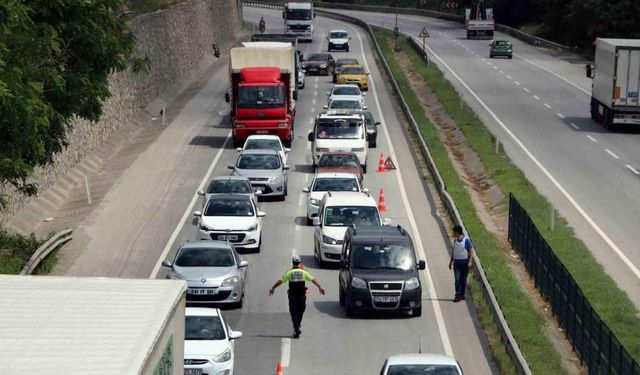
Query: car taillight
282, 125
240, 125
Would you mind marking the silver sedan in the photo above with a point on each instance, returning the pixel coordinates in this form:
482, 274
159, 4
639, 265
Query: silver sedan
265, 170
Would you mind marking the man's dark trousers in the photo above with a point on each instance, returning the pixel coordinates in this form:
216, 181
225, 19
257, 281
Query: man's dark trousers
461, 271
296, 309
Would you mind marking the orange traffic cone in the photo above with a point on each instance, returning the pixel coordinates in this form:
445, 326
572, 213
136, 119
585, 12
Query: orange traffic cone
381, 167
279, 368
381, 206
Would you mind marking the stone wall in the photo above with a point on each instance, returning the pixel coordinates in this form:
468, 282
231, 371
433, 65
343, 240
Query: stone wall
177, 41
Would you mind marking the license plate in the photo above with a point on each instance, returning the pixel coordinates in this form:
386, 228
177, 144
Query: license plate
385, 299
199, 292
193, 371
262, 132
230, 237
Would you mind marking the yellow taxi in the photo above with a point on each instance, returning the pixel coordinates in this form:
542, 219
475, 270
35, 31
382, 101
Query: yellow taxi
354, 75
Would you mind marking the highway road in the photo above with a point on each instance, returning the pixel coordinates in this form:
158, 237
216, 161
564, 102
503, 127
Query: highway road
146, 215
538, 107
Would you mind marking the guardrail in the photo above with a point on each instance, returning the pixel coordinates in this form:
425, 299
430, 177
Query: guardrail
527, 38
505, 333
46, 249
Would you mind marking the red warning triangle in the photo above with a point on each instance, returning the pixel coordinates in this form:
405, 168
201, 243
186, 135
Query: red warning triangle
423, 33
388, 164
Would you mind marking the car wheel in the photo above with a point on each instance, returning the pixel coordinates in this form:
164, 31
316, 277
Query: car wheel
511, 56
364, 168
334, 79
374, 144
347, 48
491, 56
341, 297
416, 312
309, 222
350, 309
259, 244
238, 305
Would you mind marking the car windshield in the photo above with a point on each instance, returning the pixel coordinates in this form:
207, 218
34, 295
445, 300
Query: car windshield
346, 90
344, 104
502, 43
203, 328
262, 144
335, 184
341, 62
318, 57
229, 207
333, 161
351, 70
195, 257
338, 35
344, 216
422, 370
259, 161
384, 256
351, 129
229, 186
299, 14
261, 96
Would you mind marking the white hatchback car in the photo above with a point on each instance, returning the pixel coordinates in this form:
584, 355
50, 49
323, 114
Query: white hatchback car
265, 142
324, 182
420, 364
234, 218
208, 342
346, 92
345, 105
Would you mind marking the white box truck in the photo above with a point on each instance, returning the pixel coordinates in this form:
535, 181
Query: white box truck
298, 19
72, 325
616, 82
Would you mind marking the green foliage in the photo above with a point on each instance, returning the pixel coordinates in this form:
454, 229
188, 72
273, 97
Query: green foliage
15, 251
55, 61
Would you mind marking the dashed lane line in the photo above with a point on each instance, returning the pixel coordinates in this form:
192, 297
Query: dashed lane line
574, 126
592, 139
525, 89
560, 115
547, 105
537, 97
611, 153
632, 169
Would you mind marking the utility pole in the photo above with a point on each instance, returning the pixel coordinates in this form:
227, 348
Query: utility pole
396, 31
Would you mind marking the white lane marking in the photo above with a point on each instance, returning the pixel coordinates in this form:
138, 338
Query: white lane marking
544, 170
517, 83
554, 73
313, 109
547, 105
537, 97
632, 169
611, 153
315, 93
444, 336
306, 178
495, 67
301, 199
482, 59
575, 126
508, 76
592, 139
560, 115
501, 72
285, 351
525, 89
187, 212
311, 121
313, 101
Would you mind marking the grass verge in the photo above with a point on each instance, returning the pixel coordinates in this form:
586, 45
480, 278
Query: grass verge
526, 323
15, 251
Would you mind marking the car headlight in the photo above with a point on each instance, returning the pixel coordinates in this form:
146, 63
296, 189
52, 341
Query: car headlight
252, 228
323, 66
315, 202
412, 284
273, 179
329, 240
223, 357
231, 281
205, 228
358, 283
357, 149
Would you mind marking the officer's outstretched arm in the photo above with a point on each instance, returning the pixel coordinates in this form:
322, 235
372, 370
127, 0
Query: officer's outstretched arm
273, 288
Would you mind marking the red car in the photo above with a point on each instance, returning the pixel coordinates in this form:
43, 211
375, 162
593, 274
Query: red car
340, 162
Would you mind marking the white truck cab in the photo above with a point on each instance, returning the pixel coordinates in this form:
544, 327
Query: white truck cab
298, 19
339, 132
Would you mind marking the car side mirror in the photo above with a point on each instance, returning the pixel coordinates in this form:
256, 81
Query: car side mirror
316, 221
201, 193
243, 263
258, 192
377, 123
325, 107
262, 214
364, 94
349, 38
287, 150
227, 97
166, 263
386, 221
368, 73
365, 107
295, 95
239, 149
231, 166
305, 190
422, 265
328, 93
234, 335
197, 213
286, 167
311, 137
365, 190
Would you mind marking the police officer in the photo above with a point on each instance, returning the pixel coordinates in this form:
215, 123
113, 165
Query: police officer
262, 25
296, 277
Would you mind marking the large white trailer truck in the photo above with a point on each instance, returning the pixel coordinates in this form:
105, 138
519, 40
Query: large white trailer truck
71, 325
616, 82
298, 19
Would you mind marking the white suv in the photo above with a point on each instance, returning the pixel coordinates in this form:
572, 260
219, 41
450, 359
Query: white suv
338, 40
338, 211
339, 132
328, 181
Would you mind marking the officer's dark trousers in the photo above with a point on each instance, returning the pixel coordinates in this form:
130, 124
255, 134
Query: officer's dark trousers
460, 271
296, 309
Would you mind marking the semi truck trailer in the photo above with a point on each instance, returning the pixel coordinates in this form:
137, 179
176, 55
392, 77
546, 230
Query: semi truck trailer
478, 21
298, 19
262, 90
616, 81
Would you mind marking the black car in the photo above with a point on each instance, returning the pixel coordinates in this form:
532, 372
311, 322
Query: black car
379, 271
372, 128
341, 62
319, 63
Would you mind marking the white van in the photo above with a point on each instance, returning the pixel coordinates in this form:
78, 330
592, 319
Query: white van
339, 132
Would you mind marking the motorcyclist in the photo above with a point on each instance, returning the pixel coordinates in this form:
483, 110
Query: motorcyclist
262, 25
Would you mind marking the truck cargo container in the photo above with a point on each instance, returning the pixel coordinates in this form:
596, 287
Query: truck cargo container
616, 82
298, 19
72, 325
262, 90
478, 21
285, 38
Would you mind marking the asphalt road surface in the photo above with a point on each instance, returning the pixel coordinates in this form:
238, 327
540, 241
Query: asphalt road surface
538, 106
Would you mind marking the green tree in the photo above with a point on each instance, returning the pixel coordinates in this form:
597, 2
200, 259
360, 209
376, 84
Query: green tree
55, 62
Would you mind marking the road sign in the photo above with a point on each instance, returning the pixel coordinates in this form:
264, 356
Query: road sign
449, 4
423, 33
388, 164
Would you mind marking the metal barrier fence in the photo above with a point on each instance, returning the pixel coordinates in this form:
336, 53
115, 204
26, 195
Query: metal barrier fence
598, 348
45, 249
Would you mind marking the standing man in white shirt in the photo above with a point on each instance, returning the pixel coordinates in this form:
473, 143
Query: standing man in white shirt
461, 261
